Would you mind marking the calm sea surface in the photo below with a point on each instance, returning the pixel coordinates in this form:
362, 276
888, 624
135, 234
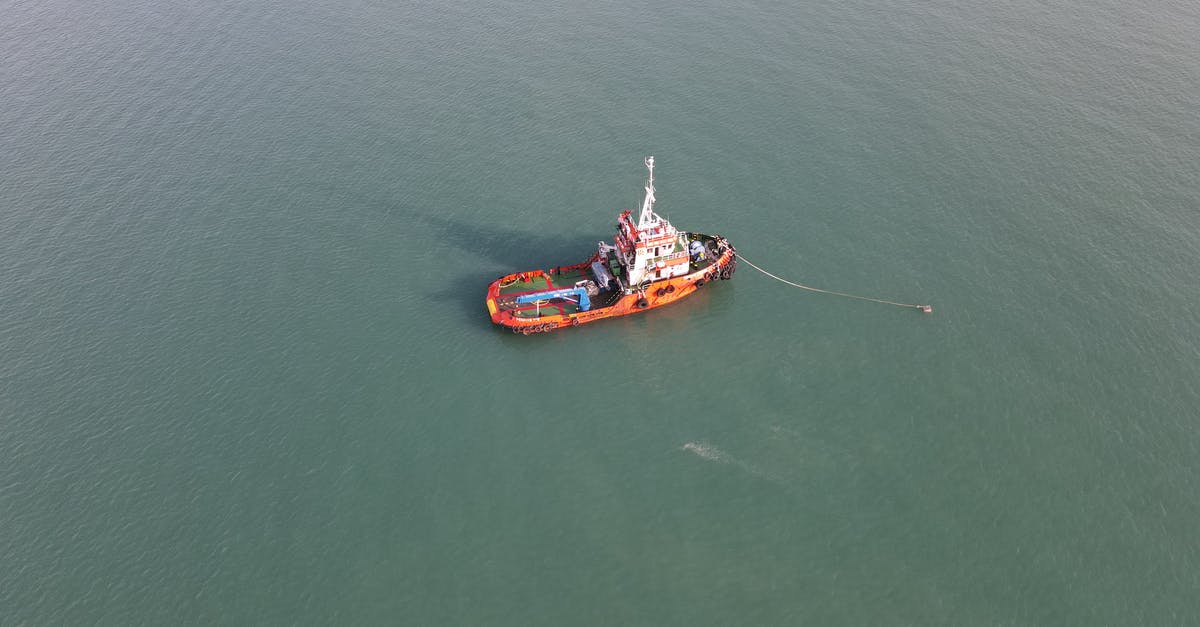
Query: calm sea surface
247, 375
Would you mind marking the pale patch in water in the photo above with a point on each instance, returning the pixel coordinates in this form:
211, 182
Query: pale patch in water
714, 454
705, 451
784, 455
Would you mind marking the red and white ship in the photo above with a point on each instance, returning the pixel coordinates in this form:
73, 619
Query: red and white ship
649, 264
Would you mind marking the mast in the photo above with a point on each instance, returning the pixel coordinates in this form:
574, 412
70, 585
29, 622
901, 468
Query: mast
647, 216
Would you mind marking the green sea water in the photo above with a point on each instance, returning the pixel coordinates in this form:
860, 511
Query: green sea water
247, 376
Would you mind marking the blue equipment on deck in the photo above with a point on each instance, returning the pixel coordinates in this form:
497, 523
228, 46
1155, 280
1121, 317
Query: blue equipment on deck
584, 302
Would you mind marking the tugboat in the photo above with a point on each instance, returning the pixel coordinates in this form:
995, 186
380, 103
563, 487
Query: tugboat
649, 264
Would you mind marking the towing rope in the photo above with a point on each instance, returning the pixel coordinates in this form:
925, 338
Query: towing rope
923, 308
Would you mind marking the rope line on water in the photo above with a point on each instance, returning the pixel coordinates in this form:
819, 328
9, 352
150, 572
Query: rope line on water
923, 308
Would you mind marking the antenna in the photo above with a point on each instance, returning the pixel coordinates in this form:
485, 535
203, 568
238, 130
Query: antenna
648, 204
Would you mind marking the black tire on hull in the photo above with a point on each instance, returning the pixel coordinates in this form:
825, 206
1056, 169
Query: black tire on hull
727, 271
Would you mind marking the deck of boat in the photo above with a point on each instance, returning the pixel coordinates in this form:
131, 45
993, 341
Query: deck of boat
560, 278
538, 282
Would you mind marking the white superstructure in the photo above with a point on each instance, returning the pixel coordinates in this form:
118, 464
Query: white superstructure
652, 249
